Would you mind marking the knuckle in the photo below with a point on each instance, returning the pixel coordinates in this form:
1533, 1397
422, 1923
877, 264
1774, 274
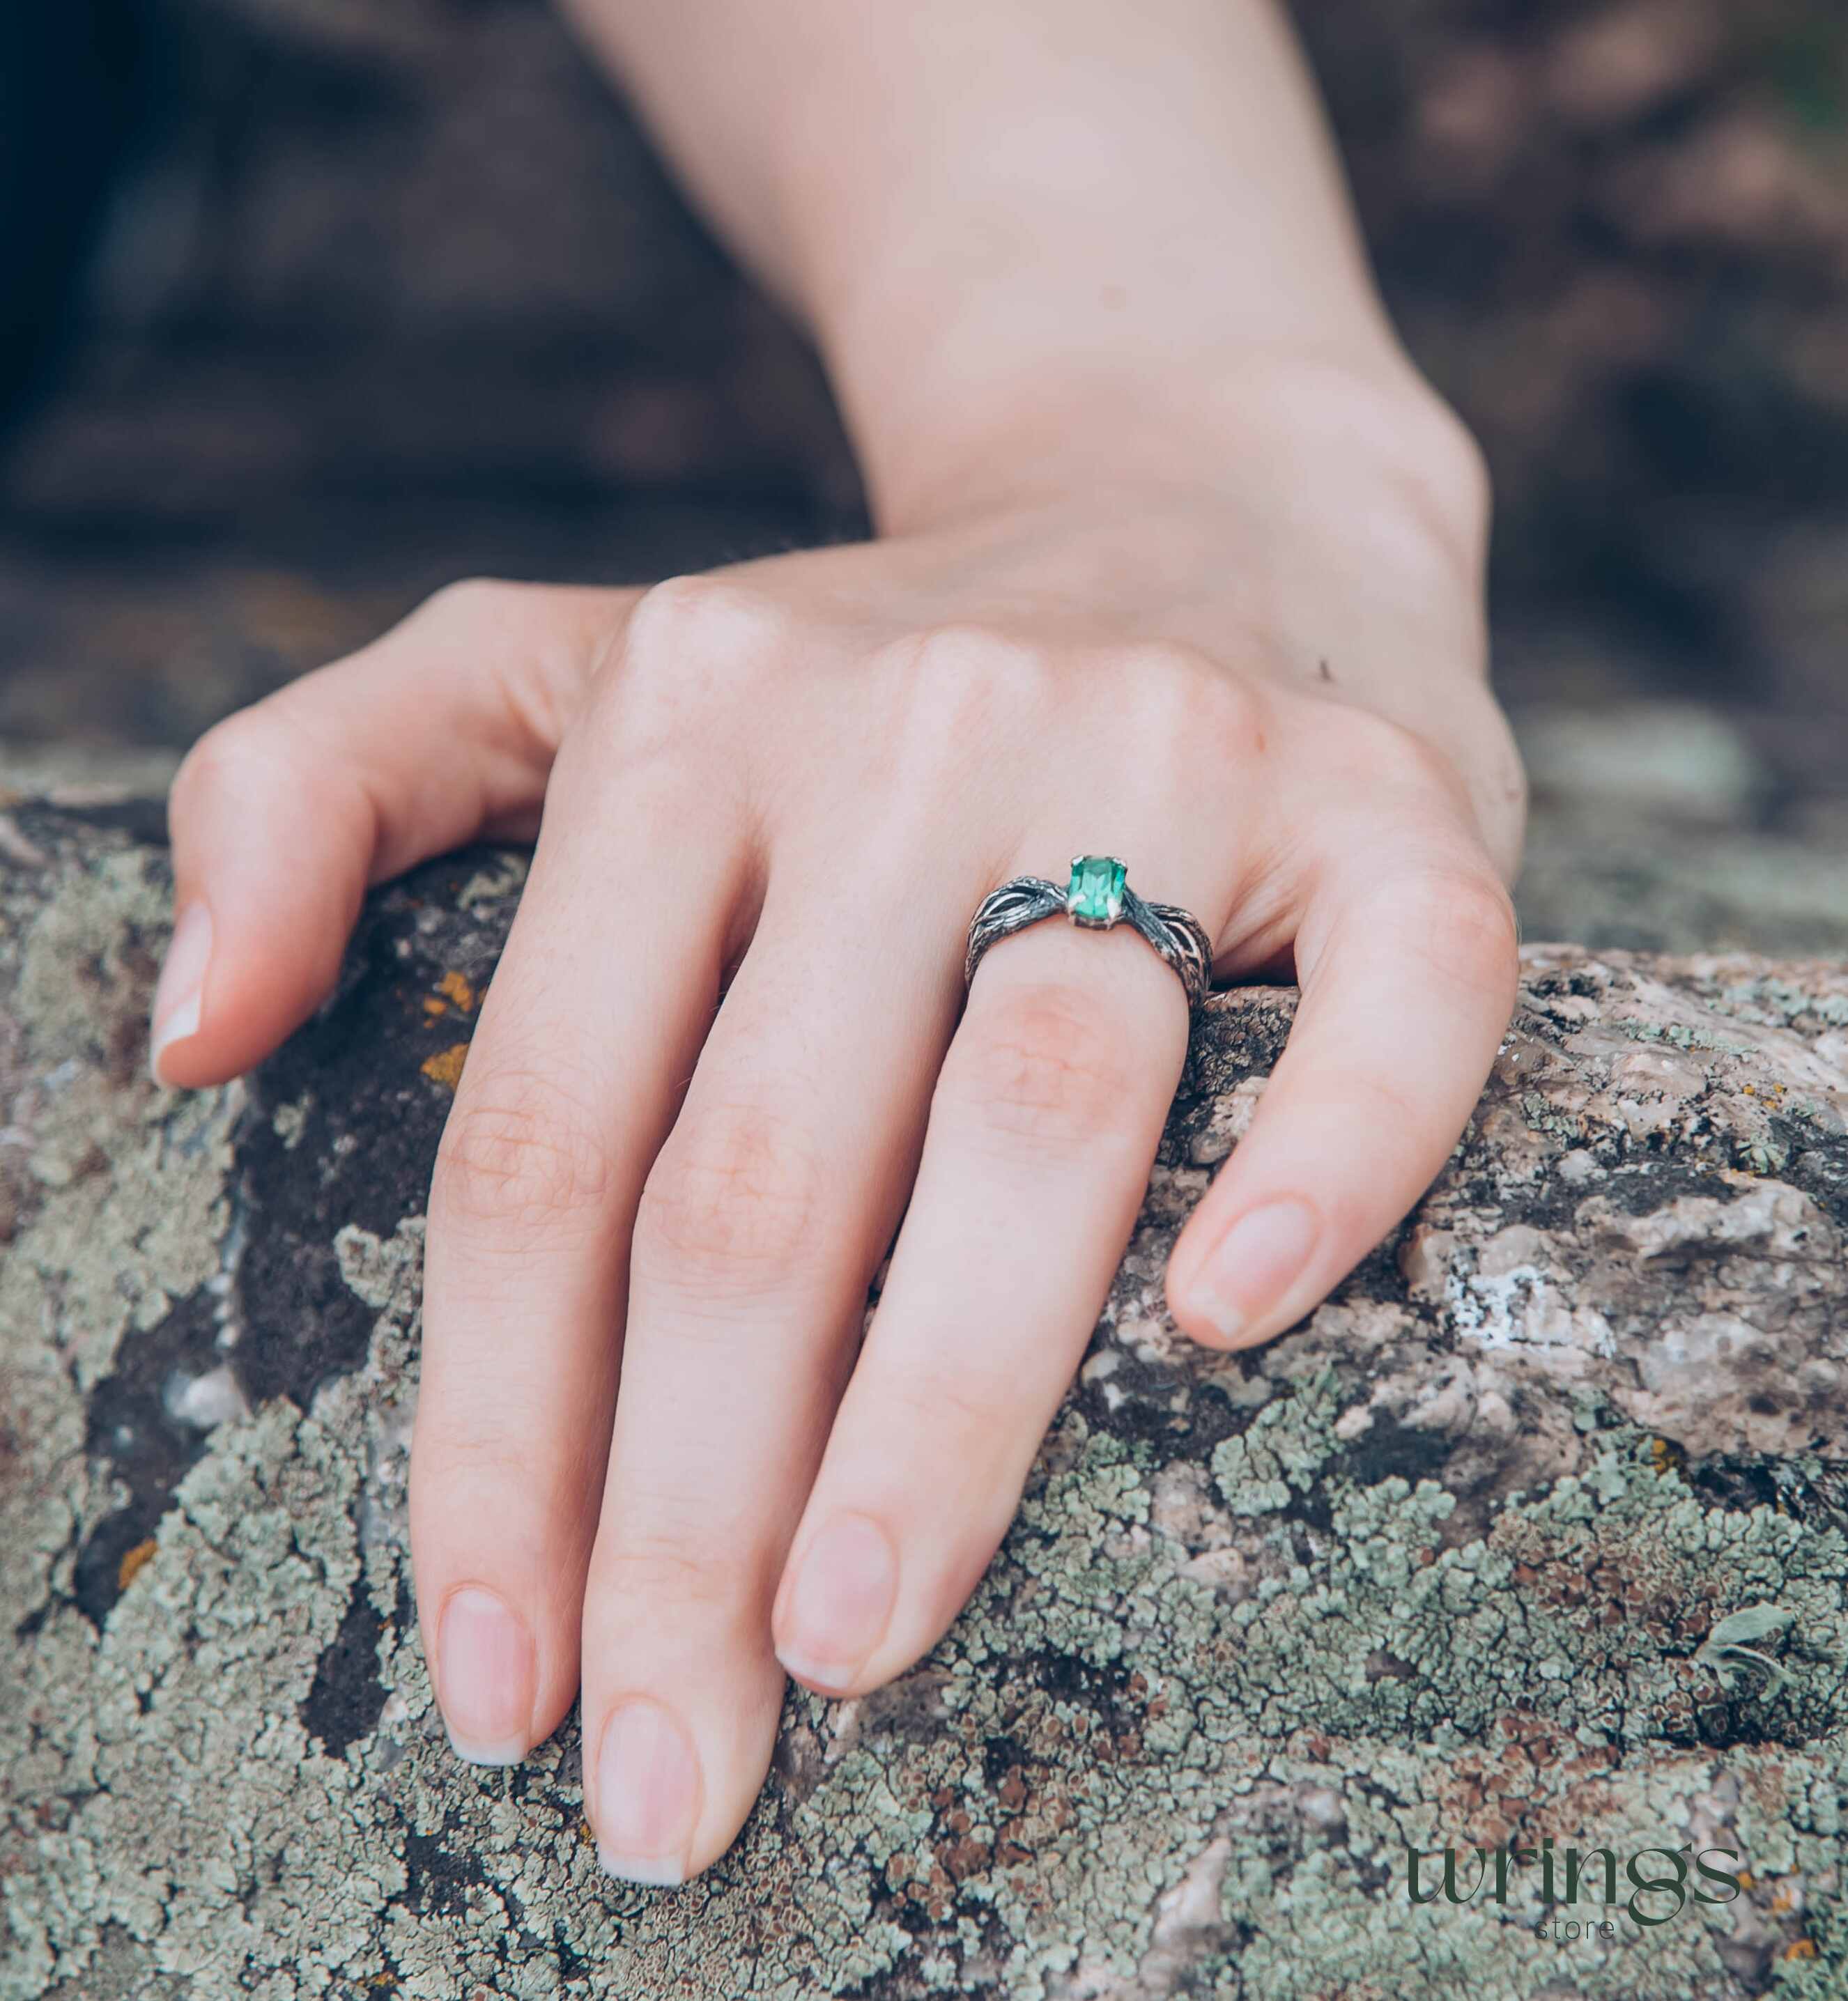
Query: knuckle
1480, 918
454, 1449
519, 1149
686, 626
494, 1447
483, 1447
1044, 1067
729, 1204
1378, 1102
245, 751
1193, 702
683, 1568
690, 645
1459, 922
964, 677
970, 1403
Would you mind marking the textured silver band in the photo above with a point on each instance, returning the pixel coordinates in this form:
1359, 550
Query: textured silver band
1176, 934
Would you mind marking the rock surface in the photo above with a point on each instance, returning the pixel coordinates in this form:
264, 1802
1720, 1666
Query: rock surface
1447, 1565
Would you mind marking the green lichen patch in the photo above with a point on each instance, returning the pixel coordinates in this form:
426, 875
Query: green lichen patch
1480, 1554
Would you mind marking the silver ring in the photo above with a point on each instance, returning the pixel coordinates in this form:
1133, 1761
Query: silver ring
1096, 897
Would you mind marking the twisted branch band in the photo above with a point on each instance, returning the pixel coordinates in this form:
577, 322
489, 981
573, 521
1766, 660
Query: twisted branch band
1097, 897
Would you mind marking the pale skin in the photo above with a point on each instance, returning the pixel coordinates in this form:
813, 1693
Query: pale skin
1177, 558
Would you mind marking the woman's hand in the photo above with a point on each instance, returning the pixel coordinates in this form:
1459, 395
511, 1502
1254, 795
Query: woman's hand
727, 1044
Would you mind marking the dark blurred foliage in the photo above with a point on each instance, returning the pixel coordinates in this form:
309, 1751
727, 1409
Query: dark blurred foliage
392, 289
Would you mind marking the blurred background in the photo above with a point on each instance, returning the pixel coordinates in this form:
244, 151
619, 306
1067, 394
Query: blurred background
312, 305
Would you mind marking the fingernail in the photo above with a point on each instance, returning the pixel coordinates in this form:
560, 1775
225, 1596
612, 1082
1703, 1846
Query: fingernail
840, 1602
485, 1677
1254, 1264
648, 1788
177, 998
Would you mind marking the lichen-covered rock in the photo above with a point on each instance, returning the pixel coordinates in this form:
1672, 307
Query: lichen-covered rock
1462, 1561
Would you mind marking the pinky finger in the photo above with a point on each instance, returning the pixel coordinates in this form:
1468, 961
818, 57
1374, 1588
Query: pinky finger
1409, 966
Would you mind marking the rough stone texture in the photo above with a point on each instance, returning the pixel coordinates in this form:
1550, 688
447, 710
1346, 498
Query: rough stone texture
1656, 826
1444, 1566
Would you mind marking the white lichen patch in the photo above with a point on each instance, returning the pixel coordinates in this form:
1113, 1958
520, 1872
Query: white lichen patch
205, 1401
289, 1121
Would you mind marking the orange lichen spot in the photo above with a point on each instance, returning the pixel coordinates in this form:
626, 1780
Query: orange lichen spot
432, 1006
1801, 1949
134, 1562
455, 989
1747, 1880
1782, 1901
1666, 1456
445, 1067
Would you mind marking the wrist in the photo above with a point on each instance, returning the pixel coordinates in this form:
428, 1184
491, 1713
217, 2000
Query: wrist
1328, 436
1341, 505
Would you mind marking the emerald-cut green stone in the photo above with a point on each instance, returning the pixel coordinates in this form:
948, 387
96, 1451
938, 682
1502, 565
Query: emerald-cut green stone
1094, 895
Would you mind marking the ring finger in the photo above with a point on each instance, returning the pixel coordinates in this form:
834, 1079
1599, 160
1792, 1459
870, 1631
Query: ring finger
1042, 1131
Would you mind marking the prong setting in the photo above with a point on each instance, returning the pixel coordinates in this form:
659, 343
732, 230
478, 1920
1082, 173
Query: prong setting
1105, 899
1093, 897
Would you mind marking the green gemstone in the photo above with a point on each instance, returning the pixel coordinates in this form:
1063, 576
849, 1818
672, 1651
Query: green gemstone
1094, 895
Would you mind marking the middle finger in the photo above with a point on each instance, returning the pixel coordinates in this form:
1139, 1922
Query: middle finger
762, 1221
